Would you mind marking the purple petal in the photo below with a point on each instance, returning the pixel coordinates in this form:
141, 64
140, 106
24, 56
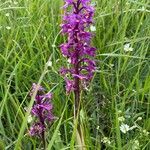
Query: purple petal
36, 87
80, 76
65, 49
47, 96
69, 85
36, 129
46, 106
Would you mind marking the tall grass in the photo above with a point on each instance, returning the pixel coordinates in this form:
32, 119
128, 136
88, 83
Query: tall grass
30, 37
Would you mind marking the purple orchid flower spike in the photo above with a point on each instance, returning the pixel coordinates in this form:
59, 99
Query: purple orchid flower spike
42, 111
77, 19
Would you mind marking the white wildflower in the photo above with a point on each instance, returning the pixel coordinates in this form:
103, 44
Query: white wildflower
143, 8
146, 133
127, 48
69, 60
106, 140
134, 90
10, 1
92, 28
53, 46
8, 27
135, 145
119, 111
15, 2
112, 65
139, 118
127, 116
49, 63
121, 119
29, 119
7, 14
124, 128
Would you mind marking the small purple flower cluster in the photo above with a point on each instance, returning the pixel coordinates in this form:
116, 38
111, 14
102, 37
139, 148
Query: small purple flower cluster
76, 22
41, 110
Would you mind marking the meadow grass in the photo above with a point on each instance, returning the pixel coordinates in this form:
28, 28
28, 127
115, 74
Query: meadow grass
119, 93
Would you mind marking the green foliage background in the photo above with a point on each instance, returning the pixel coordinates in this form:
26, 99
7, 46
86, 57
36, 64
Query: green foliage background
30, 36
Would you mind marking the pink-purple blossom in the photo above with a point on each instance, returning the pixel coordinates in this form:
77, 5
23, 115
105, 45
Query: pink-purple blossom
77, 19
41, 110
36, 129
